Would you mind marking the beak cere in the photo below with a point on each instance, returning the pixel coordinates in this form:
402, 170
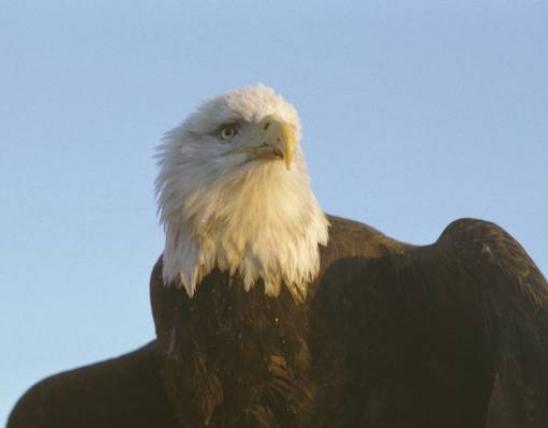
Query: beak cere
275, 139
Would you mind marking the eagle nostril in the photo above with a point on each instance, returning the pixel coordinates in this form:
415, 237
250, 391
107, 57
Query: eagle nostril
267, 125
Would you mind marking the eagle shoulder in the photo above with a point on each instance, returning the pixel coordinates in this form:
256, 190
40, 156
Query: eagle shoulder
484, 248
350, 238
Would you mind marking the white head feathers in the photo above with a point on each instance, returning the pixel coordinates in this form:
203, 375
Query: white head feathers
227, 201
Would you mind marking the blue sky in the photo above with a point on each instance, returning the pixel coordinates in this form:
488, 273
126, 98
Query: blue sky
414, 114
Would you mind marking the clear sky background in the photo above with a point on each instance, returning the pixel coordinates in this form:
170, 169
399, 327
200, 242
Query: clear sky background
415, 113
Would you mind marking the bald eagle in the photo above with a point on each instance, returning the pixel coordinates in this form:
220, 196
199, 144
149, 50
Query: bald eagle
271, 313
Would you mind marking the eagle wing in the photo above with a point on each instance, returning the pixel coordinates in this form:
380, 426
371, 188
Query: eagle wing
451, 334
121, 392
513, 299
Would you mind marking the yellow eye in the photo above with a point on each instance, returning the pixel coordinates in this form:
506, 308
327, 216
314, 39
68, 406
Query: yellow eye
227, 132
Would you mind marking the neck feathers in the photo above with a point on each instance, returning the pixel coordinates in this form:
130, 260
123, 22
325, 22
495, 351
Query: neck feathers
264, 224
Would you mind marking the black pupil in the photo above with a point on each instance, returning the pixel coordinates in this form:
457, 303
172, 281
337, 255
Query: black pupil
228, 132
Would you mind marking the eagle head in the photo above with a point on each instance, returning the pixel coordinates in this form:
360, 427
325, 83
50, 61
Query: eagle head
233, 193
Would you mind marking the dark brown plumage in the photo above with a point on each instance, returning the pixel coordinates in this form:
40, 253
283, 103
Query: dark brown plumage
122, 392
391, 335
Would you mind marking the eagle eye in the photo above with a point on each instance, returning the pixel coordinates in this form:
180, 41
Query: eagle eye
227, 132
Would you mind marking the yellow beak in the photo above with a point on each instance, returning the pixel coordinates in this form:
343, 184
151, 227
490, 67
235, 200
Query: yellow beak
281, 136
272, 139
